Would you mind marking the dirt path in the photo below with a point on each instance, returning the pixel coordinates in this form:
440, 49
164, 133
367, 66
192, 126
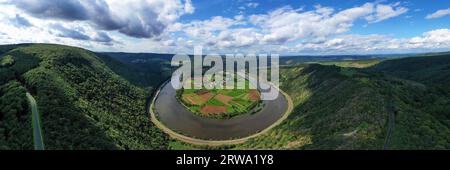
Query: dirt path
195, 141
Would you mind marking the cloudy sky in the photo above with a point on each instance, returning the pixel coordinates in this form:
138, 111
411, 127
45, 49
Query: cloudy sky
229, 26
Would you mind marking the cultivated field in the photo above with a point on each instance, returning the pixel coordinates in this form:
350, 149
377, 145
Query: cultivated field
219, 103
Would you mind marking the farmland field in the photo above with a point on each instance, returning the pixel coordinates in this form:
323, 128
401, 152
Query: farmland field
352, 63
219, 103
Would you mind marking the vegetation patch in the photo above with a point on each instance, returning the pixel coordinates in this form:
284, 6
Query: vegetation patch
6, 61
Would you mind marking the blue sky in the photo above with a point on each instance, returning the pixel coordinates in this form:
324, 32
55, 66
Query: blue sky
399, 26
228, 26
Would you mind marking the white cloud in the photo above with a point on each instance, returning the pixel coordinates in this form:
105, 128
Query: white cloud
240, 37
19, 26
101, 25
252, 4
283, 30
188, 7
283, 26
438, 14
135, 18
347, 43
439, 38
383, 12
429, 41
208, 28
286, 24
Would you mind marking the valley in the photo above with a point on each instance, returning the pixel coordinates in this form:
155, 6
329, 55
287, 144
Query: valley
91, 100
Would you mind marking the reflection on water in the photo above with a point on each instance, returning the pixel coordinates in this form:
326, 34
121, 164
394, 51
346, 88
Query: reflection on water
178, 118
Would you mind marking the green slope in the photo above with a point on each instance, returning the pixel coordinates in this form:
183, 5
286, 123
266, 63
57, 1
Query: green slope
433, 69
421, 96
141, 69
397, 104
334, 108
97, 101
84, 104
15, 117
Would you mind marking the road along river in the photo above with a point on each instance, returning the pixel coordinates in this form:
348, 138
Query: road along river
174, 119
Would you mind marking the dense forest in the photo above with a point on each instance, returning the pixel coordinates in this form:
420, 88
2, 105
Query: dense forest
97, 101
142, 69
396, 104
83, 103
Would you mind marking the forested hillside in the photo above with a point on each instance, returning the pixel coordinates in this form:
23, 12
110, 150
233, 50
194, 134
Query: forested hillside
15, 119
83, 103
334, 108
349, 108
420, 89
142, 69
97, 101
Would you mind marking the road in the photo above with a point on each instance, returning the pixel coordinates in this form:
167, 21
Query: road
391, 121
36, 123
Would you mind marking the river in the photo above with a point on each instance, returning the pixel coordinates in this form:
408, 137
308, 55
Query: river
176, 117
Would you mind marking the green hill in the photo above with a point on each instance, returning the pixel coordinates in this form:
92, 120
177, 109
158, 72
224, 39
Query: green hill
421, 94
142, 69
431, 69
334, 108
84, 104
397, 104
97, 101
